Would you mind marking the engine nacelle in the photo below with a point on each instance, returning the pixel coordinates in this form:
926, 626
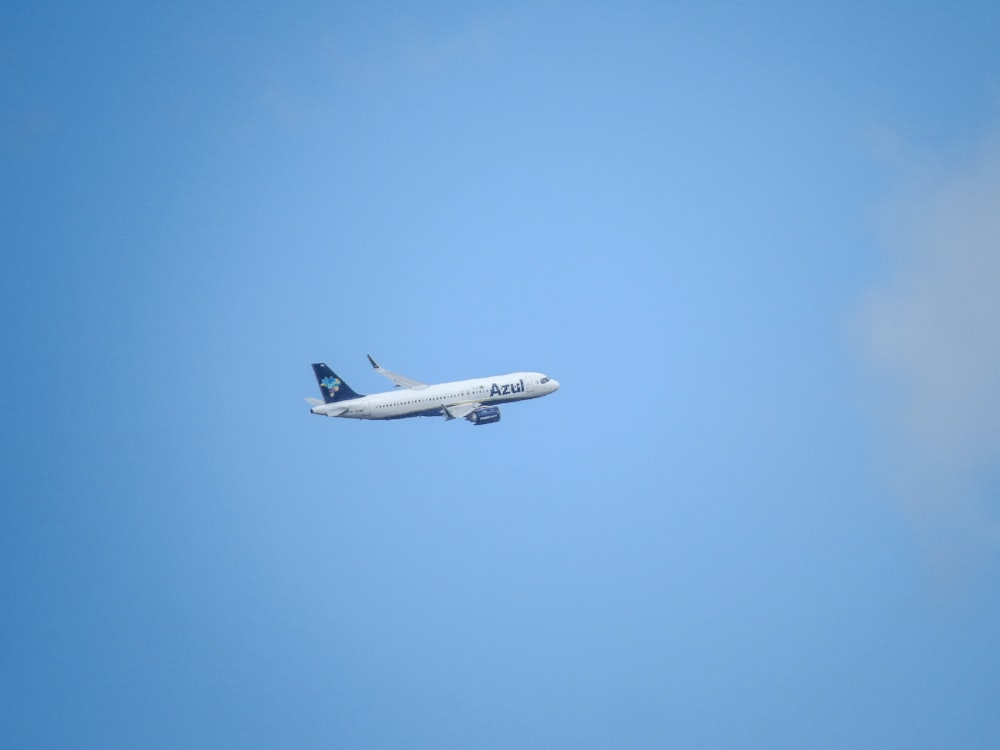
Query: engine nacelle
485, 415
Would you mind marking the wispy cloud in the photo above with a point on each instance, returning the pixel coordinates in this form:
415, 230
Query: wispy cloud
932, 330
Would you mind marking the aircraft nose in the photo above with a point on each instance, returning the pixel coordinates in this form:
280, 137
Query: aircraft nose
554, 383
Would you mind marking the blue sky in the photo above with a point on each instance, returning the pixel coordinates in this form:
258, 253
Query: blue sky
756, 243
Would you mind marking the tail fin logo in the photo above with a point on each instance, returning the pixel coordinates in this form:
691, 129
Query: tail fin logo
331, 384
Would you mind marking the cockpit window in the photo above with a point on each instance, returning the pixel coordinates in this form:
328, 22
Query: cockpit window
543, 381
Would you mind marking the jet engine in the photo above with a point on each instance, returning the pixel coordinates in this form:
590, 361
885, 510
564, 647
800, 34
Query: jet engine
485, 415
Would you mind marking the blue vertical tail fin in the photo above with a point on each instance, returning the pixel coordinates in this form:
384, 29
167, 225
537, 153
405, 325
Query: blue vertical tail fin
331, 386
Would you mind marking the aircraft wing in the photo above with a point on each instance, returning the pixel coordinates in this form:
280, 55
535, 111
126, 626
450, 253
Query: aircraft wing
401, 380
460, 410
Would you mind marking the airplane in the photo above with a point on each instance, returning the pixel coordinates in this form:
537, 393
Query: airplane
476, 399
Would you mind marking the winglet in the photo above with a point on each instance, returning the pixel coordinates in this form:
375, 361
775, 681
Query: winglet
374, 363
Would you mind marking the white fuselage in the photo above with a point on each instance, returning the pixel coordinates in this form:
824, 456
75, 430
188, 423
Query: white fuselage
433, 400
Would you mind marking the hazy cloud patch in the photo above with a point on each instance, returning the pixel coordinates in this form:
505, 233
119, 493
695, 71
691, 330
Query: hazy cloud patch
931, 330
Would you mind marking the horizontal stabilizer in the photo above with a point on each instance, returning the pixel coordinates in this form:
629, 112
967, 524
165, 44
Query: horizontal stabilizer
329, 410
